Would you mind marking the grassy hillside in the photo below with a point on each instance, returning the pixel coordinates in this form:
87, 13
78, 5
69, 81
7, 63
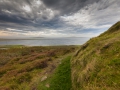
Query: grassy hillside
25, 68
96, 65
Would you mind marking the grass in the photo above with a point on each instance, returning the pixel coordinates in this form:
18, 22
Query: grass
61, 80
23, 67
96, 64
12, 46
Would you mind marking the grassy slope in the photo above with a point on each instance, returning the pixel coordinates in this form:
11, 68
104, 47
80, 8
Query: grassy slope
96, 65
22, 68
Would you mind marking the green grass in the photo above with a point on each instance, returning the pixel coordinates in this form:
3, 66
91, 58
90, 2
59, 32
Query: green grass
12, 46
61, 80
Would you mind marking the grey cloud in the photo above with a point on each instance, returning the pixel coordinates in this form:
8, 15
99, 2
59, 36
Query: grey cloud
86, 15
97, 15
13, 11
68, 6
107, 12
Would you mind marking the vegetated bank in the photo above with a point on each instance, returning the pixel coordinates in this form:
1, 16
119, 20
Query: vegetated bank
96, 65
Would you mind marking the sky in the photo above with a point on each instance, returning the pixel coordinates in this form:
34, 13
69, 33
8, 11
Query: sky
57, 18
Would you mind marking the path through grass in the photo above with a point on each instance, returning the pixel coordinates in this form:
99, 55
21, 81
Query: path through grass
61, 80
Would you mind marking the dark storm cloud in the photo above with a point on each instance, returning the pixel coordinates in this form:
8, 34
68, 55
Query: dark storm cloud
12, 11
68, 6
58, 16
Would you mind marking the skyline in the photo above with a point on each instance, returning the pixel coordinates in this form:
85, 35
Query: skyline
53, 18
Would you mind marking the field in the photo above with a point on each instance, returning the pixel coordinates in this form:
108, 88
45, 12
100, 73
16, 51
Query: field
27, 68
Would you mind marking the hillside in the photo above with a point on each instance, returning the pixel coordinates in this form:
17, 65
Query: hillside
96, 65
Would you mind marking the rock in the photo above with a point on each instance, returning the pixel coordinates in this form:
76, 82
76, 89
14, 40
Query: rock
43, 78
47, 85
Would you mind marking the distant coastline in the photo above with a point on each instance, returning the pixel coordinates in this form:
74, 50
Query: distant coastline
44, 41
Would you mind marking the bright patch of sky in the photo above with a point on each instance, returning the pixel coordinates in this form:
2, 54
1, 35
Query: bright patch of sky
26, 8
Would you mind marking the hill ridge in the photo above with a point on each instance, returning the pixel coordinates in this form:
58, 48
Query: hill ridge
112, 29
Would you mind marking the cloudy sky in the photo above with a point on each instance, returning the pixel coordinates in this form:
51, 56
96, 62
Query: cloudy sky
57, 18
